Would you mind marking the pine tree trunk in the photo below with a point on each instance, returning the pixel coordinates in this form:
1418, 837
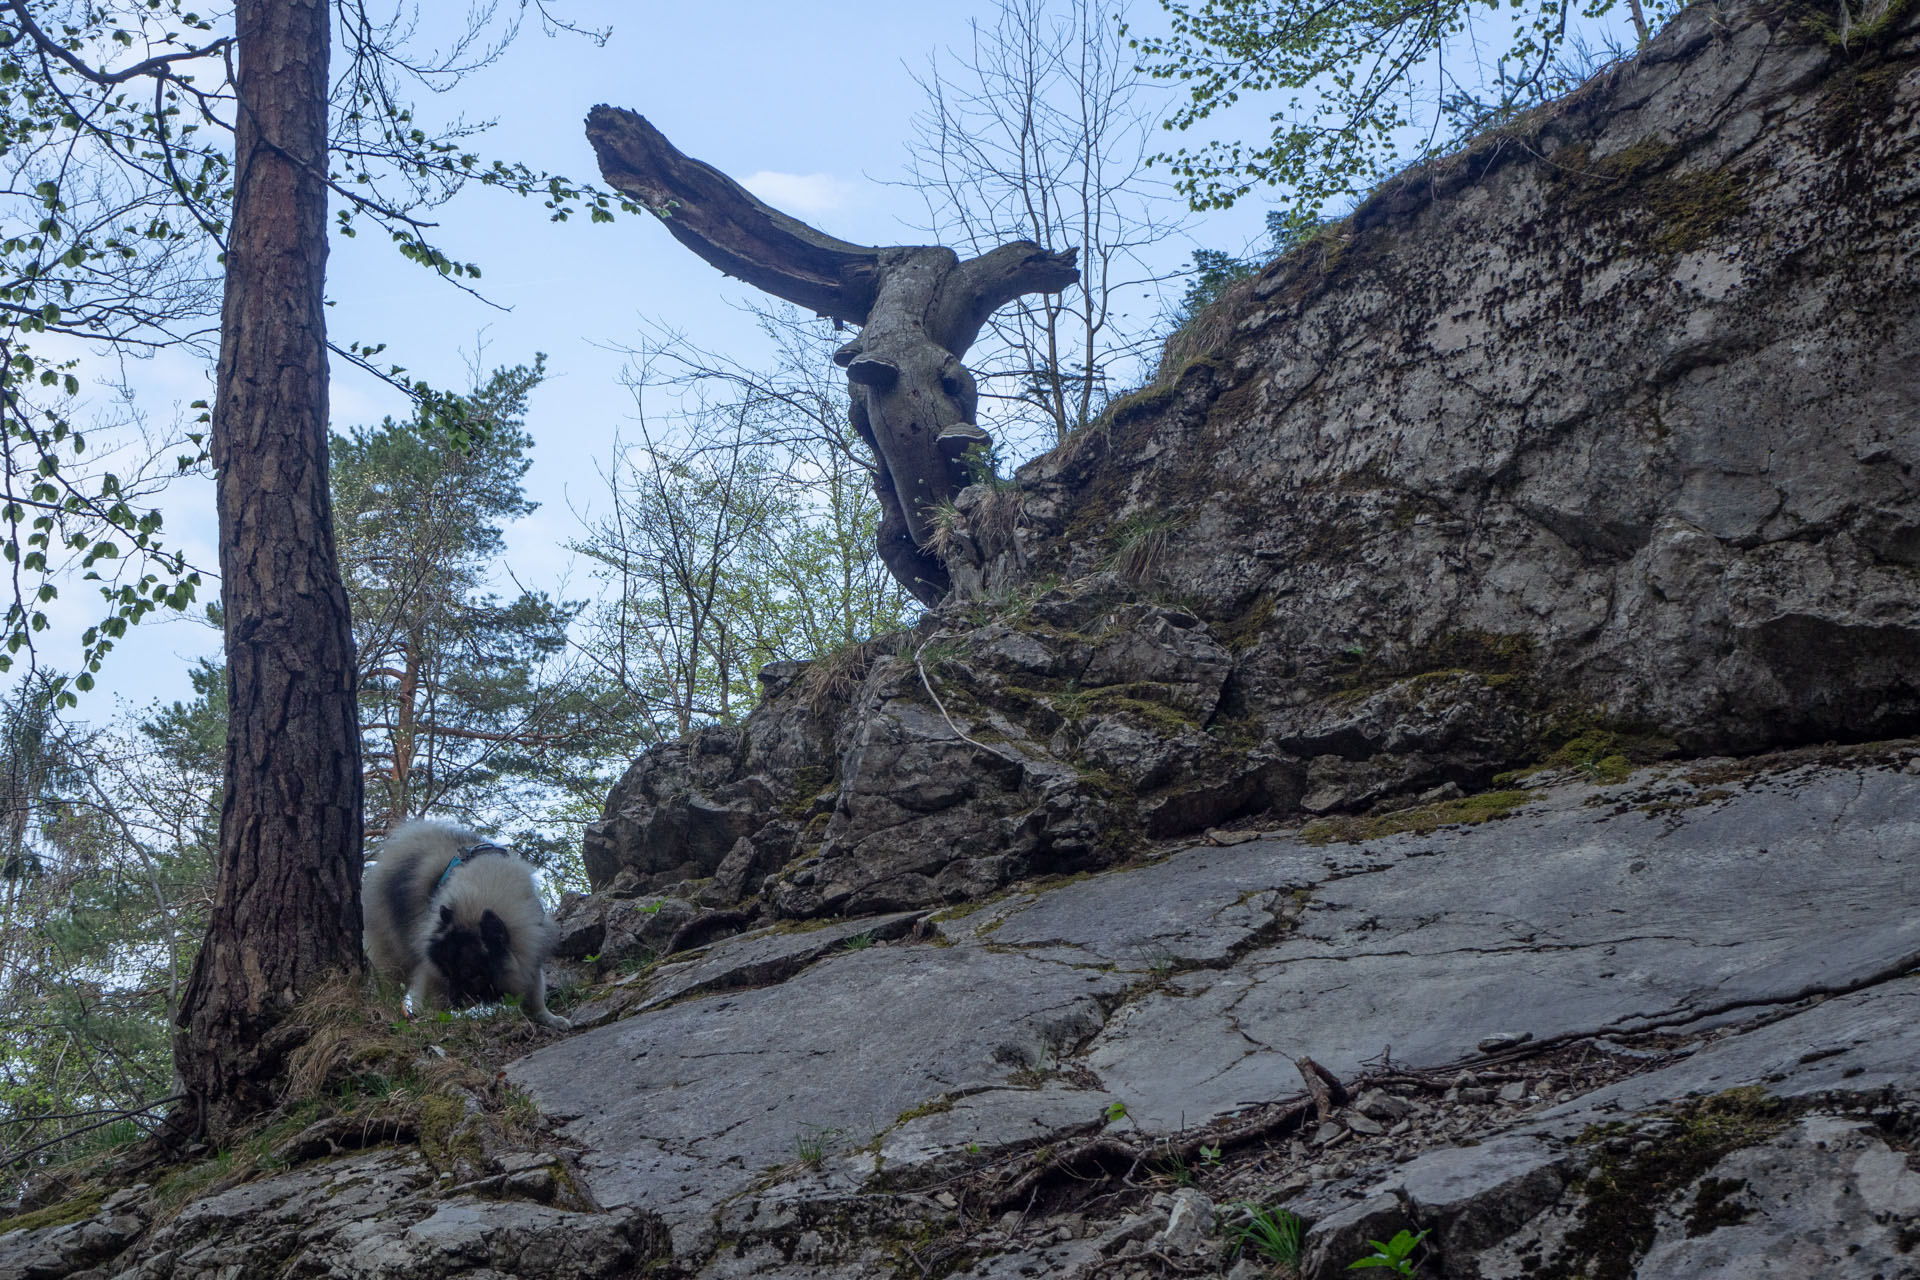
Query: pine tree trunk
286, 910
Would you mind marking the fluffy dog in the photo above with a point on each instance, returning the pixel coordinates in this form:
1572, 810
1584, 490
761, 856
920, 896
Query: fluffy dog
458, 920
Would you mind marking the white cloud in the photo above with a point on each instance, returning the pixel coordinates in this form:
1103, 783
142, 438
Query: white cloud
801, 193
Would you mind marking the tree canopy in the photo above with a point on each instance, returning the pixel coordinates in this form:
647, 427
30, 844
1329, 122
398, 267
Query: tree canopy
1368, 86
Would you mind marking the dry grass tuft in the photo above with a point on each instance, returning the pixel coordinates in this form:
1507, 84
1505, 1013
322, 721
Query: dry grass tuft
837, 673
1208, 332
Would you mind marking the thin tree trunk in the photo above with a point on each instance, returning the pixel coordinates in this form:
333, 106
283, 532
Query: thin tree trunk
406, 717
286, 909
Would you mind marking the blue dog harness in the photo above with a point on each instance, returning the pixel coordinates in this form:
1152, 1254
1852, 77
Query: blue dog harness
465, 854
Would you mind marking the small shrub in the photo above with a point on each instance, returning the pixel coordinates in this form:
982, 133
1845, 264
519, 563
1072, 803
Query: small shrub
1396, 1255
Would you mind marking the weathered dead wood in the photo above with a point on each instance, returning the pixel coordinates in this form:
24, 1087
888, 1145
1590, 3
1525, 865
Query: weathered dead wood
919, 308
1100, 1155
1324, 1086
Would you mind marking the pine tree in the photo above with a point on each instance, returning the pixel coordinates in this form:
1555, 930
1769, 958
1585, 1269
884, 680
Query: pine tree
468, 707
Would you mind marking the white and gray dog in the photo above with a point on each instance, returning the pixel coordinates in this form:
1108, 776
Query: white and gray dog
457, 919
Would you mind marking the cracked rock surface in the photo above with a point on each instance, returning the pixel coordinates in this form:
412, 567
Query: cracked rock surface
1622, 955
1613, 1033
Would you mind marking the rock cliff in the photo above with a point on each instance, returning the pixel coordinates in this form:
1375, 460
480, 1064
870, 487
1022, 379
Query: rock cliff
1597, 438
1438, 760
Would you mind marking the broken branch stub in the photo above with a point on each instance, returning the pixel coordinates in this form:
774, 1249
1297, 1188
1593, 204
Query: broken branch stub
919, 308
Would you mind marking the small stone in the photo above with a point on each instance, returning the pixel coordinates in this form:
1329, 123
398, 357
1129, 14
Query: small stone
1362, 1123
1383, 1106
1329, 1132
1514, 1091
1189, 1222
1009, 1221
1216, 836
1503, 1040
1133, 1229
946, 1200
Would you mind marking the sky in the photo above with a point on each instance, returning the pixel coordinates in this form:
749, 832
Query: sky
807, 104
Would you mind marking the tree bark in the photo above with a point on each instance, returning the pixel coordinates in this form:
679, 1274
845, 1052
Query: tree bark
919, 308
286, 909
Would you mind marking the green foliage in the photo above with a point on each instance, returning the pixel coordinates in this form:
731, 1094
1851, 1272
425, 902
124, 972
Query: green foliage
469, 703
1273, 1233
1212, 271
984, 466
741, 531
1359, 82
108, 848
1395, 1255
115, 132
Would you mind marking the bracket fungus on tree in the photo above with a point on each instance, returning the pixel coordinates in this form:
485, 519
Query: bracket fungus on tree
918, 307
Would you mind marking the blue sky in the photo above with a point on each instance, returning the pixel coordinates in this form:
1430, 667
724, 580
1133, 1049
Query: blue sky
807, 104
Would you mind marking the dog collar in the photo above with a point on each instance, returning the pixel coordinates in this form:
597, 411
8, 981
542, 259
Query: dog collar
464, 854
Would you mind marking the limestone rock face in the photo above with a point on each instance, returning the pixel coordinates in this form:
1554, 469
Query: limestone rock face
1602, 431
1665, 1027
1615, 408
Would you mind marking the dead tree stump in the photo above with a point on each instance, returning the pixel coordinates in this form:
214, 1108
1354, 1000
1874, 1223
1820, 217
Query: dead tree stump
918, 307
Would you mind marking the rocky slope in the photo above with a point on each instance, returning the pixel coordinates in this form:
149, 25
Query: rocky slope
1666, 1028
1168, 875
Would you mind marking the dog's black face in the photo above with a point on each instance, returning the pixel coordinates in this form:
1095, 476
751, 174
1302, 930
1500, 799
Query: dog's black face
476, 963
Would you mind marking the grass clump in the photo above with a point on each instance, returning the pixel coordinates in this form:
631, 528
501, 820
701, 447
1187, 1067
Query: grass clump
78, 1209
1270, 1233
1419, 820
1140, 545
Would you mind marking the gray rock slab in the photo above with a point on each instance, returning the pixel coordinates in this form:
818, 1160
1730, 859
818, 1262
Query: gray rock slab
1862, 1042
1556, 922
684, 1107
481, 1240
1069, 1260
374, 1216
978, 1126
1196, 907
52, 1252
768, 955
1826, 1198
